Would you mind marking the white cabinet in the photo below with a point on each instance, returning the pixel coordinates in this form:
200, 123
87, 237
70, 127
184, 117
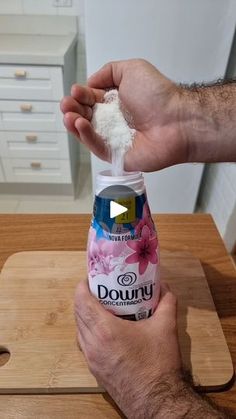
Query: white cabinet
28, 144
30, 115
37, 68
34, 144
28, 82
37, 171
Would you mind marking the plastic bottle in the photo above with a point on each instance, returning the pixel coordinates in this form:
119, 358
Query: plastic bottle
123, 252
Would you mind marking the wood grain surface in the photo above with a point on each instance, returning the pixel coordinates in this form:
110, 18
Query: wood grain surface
195, 233
37, 295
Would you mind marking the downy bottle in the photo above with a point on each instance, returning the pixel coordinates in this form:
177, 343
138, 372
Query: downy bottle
123, 251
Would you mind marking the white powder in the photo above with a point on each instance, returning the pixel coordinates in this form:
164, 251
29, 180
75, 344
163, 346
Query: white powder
110, 123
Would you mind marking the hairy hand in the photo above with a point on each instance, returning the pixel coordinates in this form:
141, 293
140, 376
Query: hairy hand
130, 359
153, 102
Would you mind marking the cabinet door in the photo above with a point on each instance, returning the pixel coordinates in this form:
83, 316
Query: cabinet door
30, 116
31, 83
28, 144
37, 171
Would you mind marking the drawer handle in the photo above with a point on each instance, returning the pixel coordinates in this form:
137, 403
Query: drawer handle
20, 74
36, 165
31, 138
26, 107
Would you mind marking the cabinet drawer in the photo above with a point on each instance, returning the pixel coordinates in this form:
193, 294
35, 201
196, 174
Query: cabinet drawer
1, 174
30, 116
43, 145
30, 83
37, 171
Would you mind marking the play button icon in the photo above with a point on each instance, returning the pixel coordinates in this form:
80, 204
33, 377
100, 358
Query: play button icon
116, 209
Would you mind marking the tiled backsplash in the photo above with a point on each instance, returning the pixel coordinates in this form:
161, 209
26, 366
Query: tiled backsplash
45, 7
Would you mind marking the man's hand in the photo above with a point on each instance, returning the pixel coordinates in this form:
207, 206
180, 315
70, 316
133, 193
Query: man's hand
152, 101
174, 124
130, 359
139, 363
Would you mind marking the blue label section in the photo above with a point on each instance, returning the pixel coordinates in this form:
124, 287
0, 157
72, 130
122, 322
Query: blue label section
102, 222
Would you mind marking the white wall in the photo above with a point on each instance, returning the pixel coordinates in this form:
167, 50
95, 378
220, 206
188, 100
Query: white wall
188, 40
218, 192
45, 7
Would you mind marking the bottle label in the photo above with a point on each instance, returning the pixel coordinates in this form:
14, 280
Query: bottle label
123, 259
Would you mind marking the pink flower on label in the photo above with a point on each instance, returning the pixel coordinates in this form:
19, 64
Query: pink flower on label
101, 254
99, 263
145, 250
145, 221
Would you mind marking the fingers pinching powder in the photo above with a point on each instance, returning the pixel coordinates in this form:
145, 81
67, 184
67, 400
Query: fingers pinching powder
110, 123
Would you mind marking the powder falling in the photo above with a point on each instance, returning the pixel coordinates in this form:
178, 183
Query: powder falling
110, 123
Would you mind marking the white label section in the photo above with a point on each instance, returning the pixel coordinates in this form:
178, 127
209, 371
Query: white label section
126, 292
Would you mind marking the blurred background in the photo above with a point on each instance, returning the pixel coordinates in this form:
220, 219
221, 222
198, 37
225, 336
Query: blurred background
48, 45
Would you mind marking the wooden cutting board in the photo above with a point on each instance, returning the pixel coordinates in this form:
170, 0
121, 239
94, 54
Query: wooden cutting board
37, 323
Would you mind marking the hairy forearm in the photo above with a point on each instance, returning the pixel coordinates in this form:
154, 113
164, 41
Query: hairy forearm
173, 397
208, 115
178, 400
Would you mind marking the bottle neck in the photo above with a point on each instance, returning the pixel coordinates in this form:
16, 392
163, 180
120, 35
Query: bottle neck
133, 180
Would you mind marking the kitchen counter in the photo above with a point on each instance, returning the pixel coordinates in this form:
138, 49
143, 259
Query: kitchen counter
35, 49
36, 40
194, 233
